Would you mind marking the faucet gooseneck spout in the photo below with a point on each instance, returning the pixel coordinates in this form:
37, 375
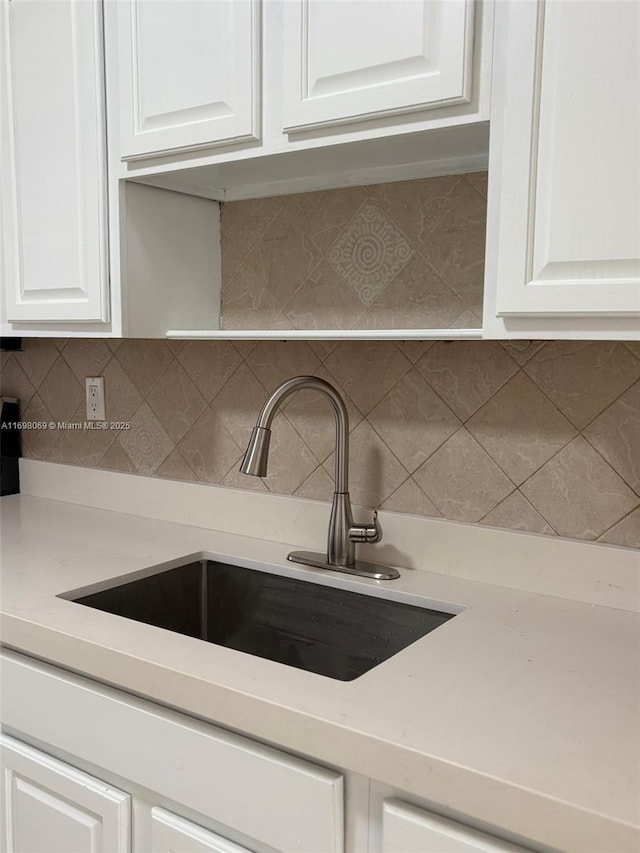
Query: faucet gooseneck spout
343, 532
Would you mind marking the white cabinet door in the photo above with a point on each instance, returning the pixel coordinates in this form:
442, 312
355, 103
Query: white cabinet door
349, 60
564, 200
52, 161
410, 830
49, 806
189, 73
170, 833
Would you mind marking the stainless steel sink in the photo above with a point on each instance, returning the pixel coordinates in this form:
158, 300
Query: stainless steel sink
330, 631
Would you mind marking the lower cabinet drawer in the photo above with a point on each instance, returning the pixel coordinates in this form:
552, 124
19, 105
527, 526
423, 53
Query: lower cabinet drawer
170, 833
406, 829
281, 801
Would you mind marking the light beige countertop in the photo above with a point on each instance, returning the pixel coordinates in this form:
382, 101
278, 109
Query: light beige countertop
523, 711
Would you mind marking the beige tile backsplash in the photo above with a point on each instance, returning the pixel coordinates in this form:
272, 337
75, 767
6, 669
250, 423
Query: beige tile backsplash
399, 255
534, 436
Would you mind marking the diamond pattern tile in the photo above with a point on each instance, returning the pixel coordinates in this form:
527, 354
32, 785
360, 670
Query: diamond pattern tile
367, 370
86, 357
410, 499
551, 429
375, 471
466, 373
578, 493
616, 435
562, 368
62, 393
176, 401
37, 358
462, 480
144, 362
209, 449
209, 364
516, 513
520, 428
625, 533
413, 421
357, 257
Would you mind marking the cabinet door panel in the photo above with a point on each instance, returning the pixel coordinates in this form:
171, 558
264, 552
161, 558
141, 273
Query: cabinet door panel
170, 833
348, 60
48, 805
52, 161
565, 211
410, 830
189, 73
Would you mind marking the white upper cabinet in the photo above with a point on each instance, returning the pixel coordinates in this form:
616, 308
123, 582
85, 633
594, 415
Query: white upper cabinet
563, 253
350, 60
189, 74
52, 161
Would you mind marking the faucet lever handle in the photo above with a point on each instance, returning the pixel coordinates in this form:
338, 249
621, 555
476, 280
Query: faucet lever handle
368, 533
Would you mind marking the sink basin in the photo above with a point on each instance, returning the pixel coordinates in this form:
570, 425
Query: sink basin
322, 629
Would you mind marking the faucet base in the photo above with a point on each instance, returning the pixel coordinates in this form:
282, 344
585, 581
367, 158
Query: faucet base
360, 568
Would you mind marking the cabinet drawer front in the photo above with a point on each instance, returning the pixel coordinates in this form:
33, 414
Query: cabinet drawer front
265, 794
349, 60
170, 832
48, 805
52, 161
410, 830
189, 72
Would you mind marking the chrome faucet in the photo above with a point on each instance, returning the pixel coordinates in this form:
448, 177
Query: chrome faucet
343, 532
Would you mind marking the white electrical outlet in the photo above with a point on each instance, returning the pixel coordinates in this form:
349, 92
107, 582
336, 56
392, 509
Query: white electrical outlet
95, 398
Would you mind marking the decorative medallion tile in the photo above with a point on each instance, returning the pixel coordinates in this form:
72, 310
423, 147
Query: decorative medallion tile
146, 444
369, 253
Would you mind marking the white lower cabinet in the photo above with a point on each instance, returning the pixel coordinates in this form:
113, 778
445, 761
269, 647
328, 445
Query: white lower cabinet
48, 805
150, 780
406, 829
195, 787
